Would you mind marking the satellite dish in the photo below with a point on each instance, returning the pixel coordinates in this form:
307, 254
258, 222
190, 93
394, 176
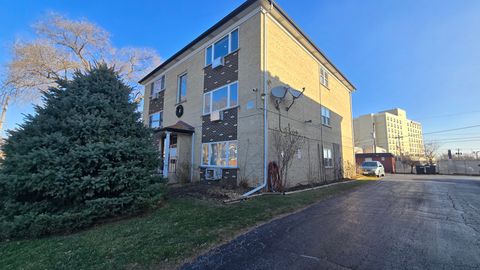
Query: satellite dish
279, 92
295, 93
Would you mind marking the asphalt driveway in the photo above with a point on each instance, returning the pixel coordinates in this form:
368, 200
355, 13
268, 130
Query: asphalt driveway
401, 222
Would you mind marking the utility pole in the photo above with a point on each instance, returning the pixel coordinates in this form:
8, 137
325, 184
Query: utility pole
374, 139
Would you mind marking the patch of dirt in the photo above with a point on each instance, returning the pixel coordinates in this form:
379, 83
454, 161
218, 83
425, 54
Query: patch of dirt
204, 190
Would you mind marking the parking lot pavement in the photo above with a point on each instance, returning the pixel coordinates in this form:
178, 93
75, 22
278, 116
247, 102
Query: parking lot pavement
401, 222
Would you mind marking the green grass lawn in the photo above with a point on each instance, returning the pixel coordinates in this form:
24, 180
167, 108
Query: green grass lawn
161, 239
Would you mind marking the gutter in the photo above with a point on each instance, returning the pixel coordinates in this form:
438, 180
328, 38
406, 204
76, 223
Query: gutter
265, 107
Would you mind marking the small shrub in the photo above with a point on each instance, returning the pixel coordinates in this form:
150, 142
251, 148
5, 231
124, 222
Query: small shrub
243, 184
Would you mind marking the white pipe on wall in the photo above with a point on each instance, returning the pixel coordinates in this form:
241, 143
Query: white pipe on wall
265, 107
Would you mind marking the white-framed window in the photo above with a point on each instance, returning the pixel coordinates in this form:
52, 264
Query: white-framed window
221, 98
219, 154
155, 120
182, 87
326, 116
327, 158
222, 47
324, 77
158, 86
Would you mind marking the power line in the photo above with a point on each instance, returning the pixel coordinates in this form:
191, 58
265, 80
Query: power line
453, 129
456, 138
449, 115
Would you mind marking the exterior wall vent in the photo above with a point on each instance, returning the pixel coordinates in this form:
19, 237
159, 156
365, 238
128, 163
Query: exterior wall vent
216, 116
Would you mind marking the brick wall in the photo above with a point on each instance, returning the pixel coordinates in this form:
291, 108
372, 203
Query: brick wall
219, 76
226, 129
156, 104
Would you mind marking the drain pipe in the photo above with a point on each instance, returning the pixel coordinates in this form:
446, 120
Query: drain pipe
265, 106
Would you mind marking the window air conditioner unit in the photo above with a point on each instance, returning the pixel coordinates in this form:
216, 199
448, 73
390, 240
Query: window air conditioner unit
218, 62
213, 174
216, 116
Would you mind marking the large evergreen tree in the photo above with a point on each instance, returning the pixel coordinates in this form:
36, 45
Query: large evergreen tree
82, 157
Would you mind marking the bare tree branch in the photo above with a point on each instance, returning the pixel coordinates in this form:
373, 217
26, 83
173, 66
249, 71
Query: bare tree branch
286, 143
431, 151
62, 46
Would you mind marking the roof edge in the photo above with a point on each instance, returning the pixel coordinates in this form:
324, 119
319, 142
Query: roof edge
220, 23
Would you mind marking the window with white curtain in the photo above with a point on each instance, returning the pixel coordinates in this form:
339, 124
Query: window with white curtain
327, 158
219, 154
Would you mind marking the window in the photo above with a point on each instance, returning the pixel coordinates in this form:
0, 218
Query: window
224, 46
182, 87
220, 154
324, 77
234, 40
158, 86
220, 99
325, 116
220, 48
327, 158
155, 120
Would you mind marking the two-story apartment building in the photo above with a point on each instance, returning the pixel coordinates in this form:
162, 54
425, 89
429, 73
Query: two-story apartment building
214, 114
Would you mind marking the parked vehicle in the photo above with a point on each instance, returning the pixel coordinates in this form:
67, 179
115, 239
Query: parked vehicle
373, 168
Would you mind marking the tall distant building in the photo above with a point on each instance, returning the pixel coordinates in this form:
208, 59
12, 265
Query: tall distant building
390, 130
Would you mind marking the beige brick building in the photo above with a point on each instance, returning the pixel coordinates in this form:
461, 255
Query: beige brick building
213, 113
393, 132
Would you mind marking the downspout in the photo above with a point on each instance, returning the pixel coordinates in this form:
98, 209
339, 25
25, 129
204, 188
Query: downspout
265, 106
322, 164
192, 157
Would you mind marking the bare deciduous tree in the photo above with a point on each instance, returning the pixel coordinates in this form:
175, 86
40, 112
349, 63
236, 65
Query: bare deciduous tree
410, 161
431, 151
62, 46
286, 143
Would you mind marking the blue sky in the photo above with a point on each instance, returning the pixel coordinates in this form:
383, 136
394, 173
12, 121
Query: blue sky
423, 56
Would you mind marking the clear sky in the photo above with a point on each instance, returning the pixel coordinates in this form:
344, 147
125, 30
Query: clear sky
422, 56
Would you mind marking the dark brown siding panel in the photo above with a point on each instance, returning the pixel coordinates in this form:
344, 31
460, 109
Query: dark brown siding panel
229, 178
224, 130
156, 104
219, 76
229, 175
